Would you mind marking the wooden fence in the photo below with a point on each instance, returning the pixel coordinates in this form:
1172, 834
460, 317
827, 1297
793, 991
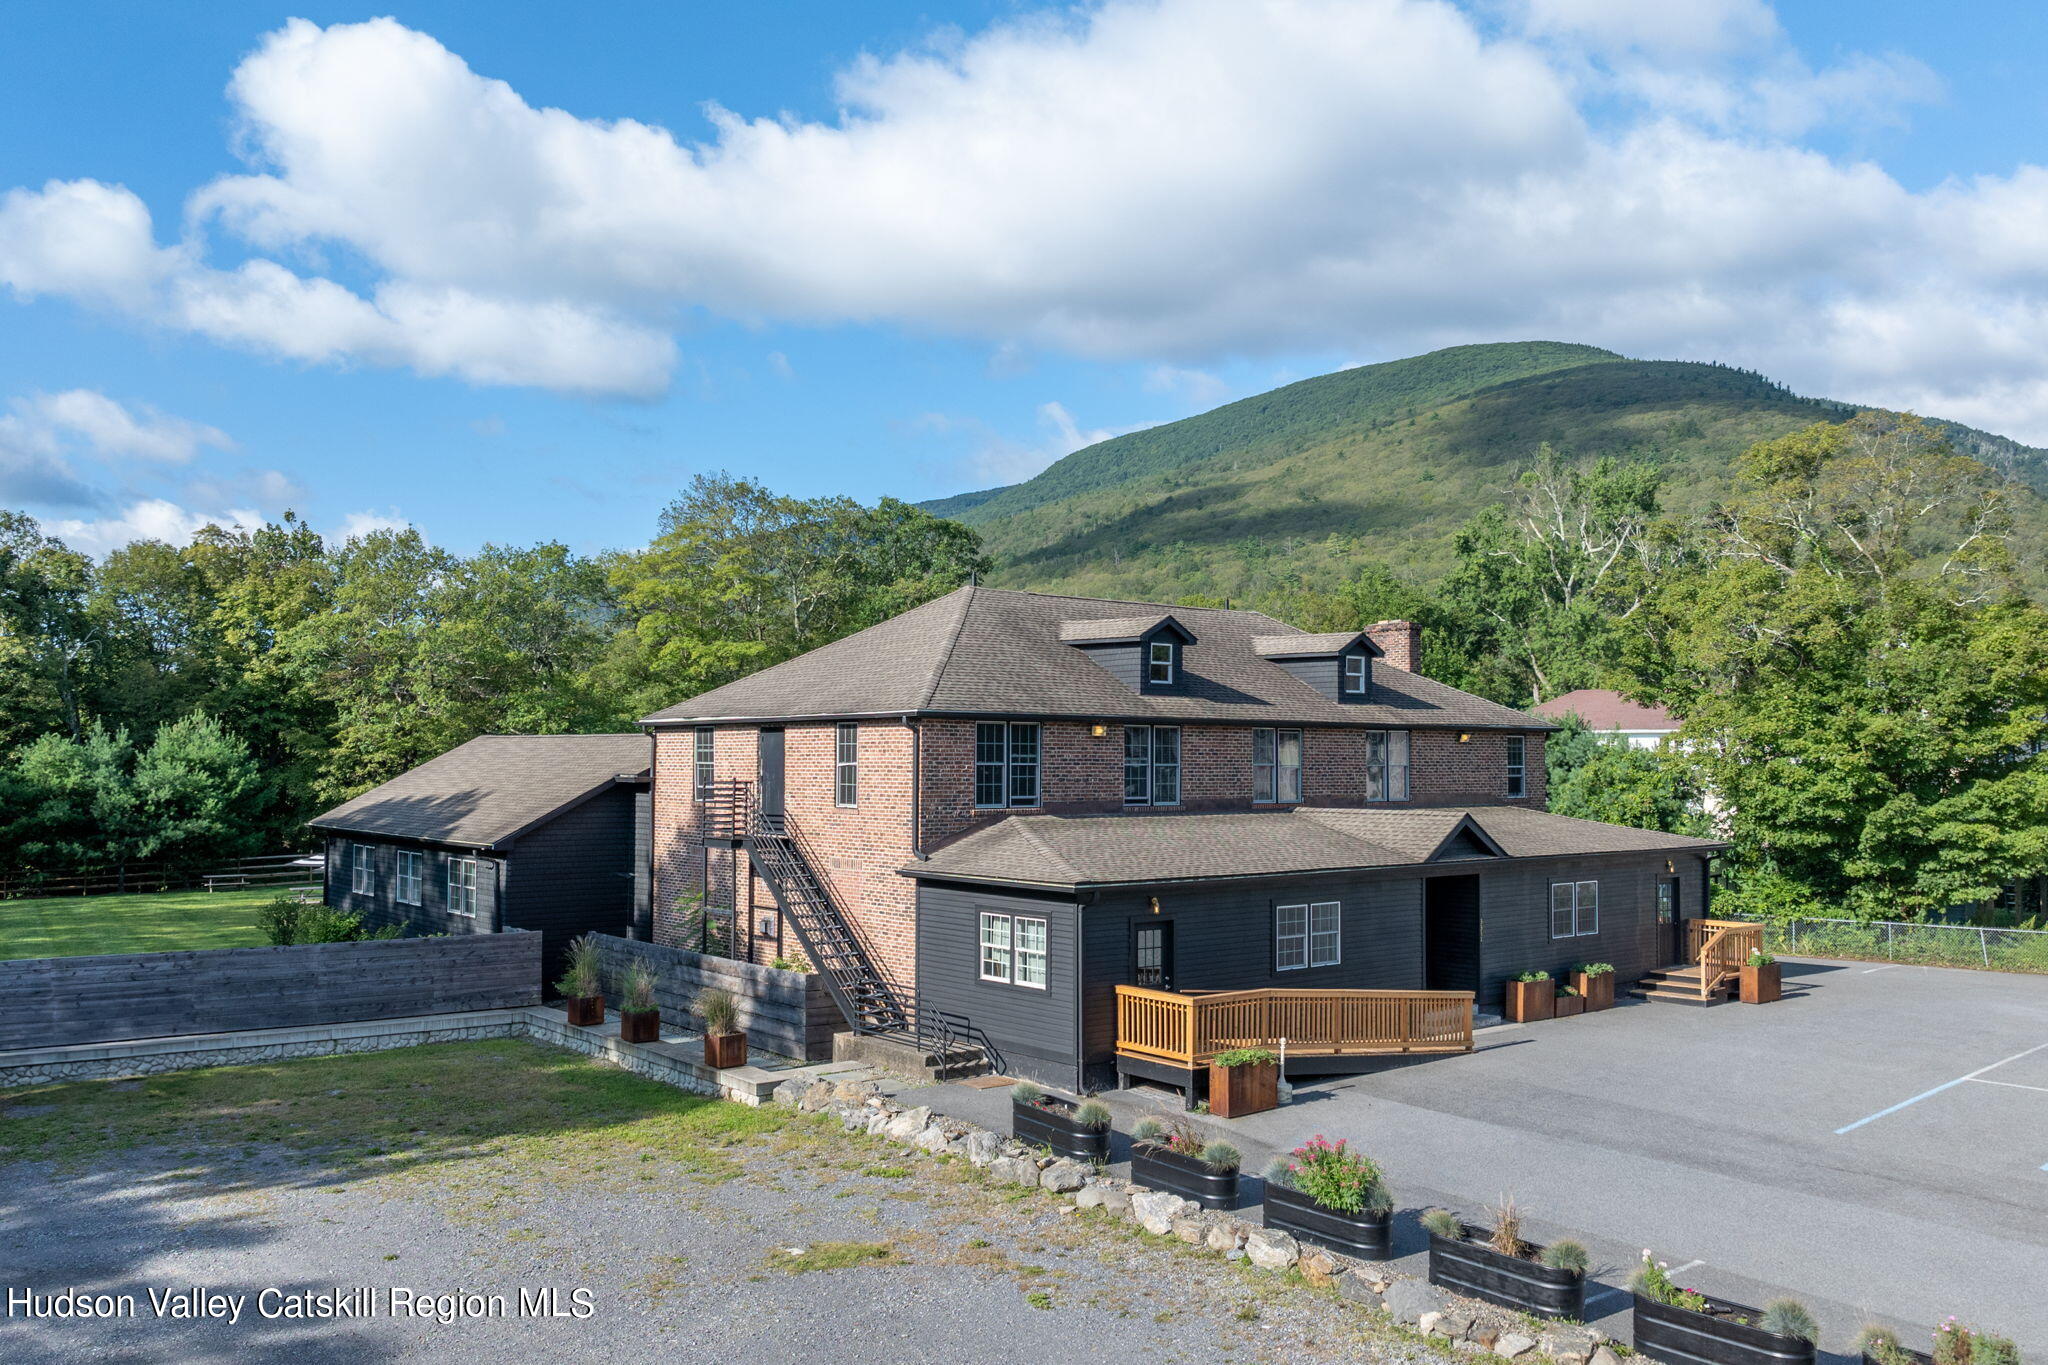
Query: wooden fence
1189, 1028
271, 869
788, 1013
53, 1001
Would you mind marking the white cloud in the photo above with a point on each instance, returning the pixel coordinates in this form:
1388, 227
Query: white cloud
994, 458
356, 525
1199, 389
1170, 182
148, 519
109, 429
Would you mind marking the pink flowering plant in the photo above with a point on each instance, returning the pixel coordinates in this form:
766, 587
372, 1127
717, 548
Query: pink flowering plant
1336, 1177
1653, 1281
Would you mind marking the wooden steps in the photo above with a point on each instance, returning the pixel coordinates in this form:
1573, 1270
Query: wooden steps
1680, 986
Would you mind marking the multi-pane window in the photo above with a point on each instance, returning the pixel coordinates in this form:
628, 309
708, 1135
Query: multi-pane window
1518, 766
1151, 765
1159, 662
363, 872
1354, 673
704, 769
1276, 765
846, 766
1386, 765
1005, 764
1574, 909
462, 887
1013, 950
1308, 935
407, 888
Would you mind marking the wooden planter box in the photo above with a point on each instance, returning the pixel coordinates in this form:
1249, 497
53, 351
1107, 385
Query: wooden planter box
722, 1050
1683, 1337
1762, 985
1052, 1125
1366, 1236
585, 1011
1235, 1091
1158, 1167
1568, 1005
1528, 1286
1598, 991
1530, 1002
640, 1026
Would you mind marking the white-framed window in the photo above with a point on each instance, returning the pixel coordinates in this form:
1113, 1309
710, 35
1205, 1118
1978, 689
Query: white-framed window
1309, 935
1386, 765
406, 887
1518, 766
462, 887
1574, 909
1276, 765
1159, 662
1013, 950
1005, 764
1354, 673
363, 871
1325, 933
1151, 765
846, 766
704, 768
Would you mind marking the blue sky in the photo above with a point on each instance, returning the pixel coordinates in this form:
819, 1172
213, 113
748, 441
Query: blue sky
363, 271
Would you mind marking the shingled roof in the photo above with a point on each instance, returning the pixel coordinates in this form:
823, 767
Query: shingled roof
491, 790
993, 651
1097, 850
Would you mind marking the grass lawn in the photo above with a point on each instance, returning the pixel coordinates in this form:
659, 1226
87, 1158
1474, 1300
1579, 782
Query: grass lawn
75, 926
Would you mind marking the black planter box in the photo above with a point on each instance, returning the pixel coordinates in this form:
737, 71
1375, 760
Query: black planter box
1156, 1167
1056, 1129
1680, 1336
1480, 1272
1361, 1235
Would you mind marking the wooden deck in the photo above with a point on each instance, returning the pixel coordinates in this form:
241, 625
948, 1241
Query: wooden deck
1185, 1029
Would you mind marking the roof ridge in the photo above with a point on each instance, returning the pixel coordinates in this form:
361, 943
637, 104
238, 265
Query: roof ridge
1030, 835
968, 593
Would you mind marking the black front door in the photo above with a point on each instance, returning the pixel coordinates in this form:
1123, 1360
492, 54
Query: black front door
1152, 955
1670, 929
1450, 934
771, 774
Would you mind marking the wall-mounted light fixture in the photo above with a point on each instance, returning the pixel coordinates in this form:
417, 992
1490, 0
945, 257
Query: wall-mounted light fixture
1098, 729
1464, 736
1670, 866
1154, 902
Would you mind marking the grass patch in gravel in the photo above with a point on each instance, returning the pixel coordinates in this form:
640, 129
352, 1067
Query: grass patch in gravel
830, 1256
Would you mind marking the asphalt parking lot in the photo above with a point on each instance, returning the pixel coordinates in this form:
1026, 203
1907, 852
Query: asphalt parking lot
1874, 1144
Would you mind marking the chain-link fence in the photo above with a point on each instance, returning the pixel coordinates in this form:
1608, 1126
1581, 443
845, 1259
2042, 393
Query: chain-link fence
1934, 945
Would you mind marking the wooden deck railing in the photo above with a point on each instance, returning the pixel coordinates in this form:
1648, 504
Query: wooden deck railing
1189, 1028
1721, 947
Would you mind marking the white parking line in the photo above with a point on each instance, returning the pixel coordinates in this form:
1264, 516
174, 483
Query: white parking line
1868, 970
1946, 1085
1689, 1265
2015, 1085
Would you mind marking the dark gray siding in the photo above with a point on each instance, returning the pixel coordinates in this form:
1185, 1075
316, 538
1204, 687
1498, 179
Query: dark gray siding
1327, 676
1120, 661
643, 889
576, 874
1034, 1031
1517, 911
380, 906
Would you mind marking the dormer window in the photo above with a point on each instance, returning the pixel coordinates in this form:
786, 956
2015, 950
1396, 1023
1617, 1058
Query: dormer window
1141, 652
1159, 663
1354, 674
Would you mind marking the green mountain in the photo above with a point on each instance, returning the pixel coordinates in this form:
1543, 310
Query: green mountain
1382, 462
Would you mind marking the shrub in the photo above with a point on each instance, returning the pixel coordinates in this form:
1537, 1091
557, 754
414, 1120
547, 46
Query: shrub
286, 921
1568, 991
1597, 968
1532, 976
1092, 1114
1244, 1056
1279, 1173
1955, 1344
580, 976
1338, 1178
1651, 1281
1148, 1130
279, 919
790, 964
1444, 1224
1789, 1318
1221, 1156
1881, 1344
1566, 1255
1024, 1092
638, 990
1761, 959
719, 1011
1507, 1228
1994, 1351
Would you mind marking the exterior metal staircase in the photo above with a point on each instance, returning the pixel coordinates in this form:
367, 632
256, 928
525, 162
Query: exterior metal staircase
863, 994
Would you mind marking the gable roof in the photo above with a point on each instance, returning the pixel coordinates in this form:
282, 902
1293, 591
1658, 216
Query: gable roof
1104, 850
1117, 629
1603, 709
491, 790
1304, 646
993, 651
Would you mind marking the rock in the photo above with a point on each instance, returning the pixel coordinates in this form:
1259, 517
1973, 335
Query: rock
1222, 1236
816, 1096
1569, 1345
1156, 1210
1408, 1300
1484, 1337
1192, 1228
909, 1123
982, 1146
1100, 1196
1317, 1265
1064, 1177
1271, 1250
1514, 1344
879, 1121
1428, 1323
1456, 1322
856, 1091
1014, 1170
933, 1139
787, 1094
1605, 1355
1359, 1289
854, 1120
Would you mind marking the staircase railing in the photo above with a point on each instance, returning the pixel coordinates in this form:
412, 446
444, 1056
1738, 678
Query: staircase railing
1721, 947
1188, 1028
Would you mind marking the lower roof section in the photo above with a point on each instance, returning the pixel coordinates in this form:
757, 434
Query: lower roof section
1076, 851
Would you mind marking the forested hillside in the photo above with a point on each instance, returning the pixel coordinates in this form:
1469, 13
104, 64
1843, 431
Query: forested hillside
1382, 464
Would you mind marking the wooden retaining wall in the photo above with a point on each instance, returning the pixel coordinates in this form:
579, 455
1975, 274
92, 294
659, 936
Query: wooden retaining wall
62, 1000
788, 1013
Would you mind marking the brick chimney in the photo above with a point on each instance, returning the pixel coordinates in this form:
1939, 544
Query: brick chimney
1402, 641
